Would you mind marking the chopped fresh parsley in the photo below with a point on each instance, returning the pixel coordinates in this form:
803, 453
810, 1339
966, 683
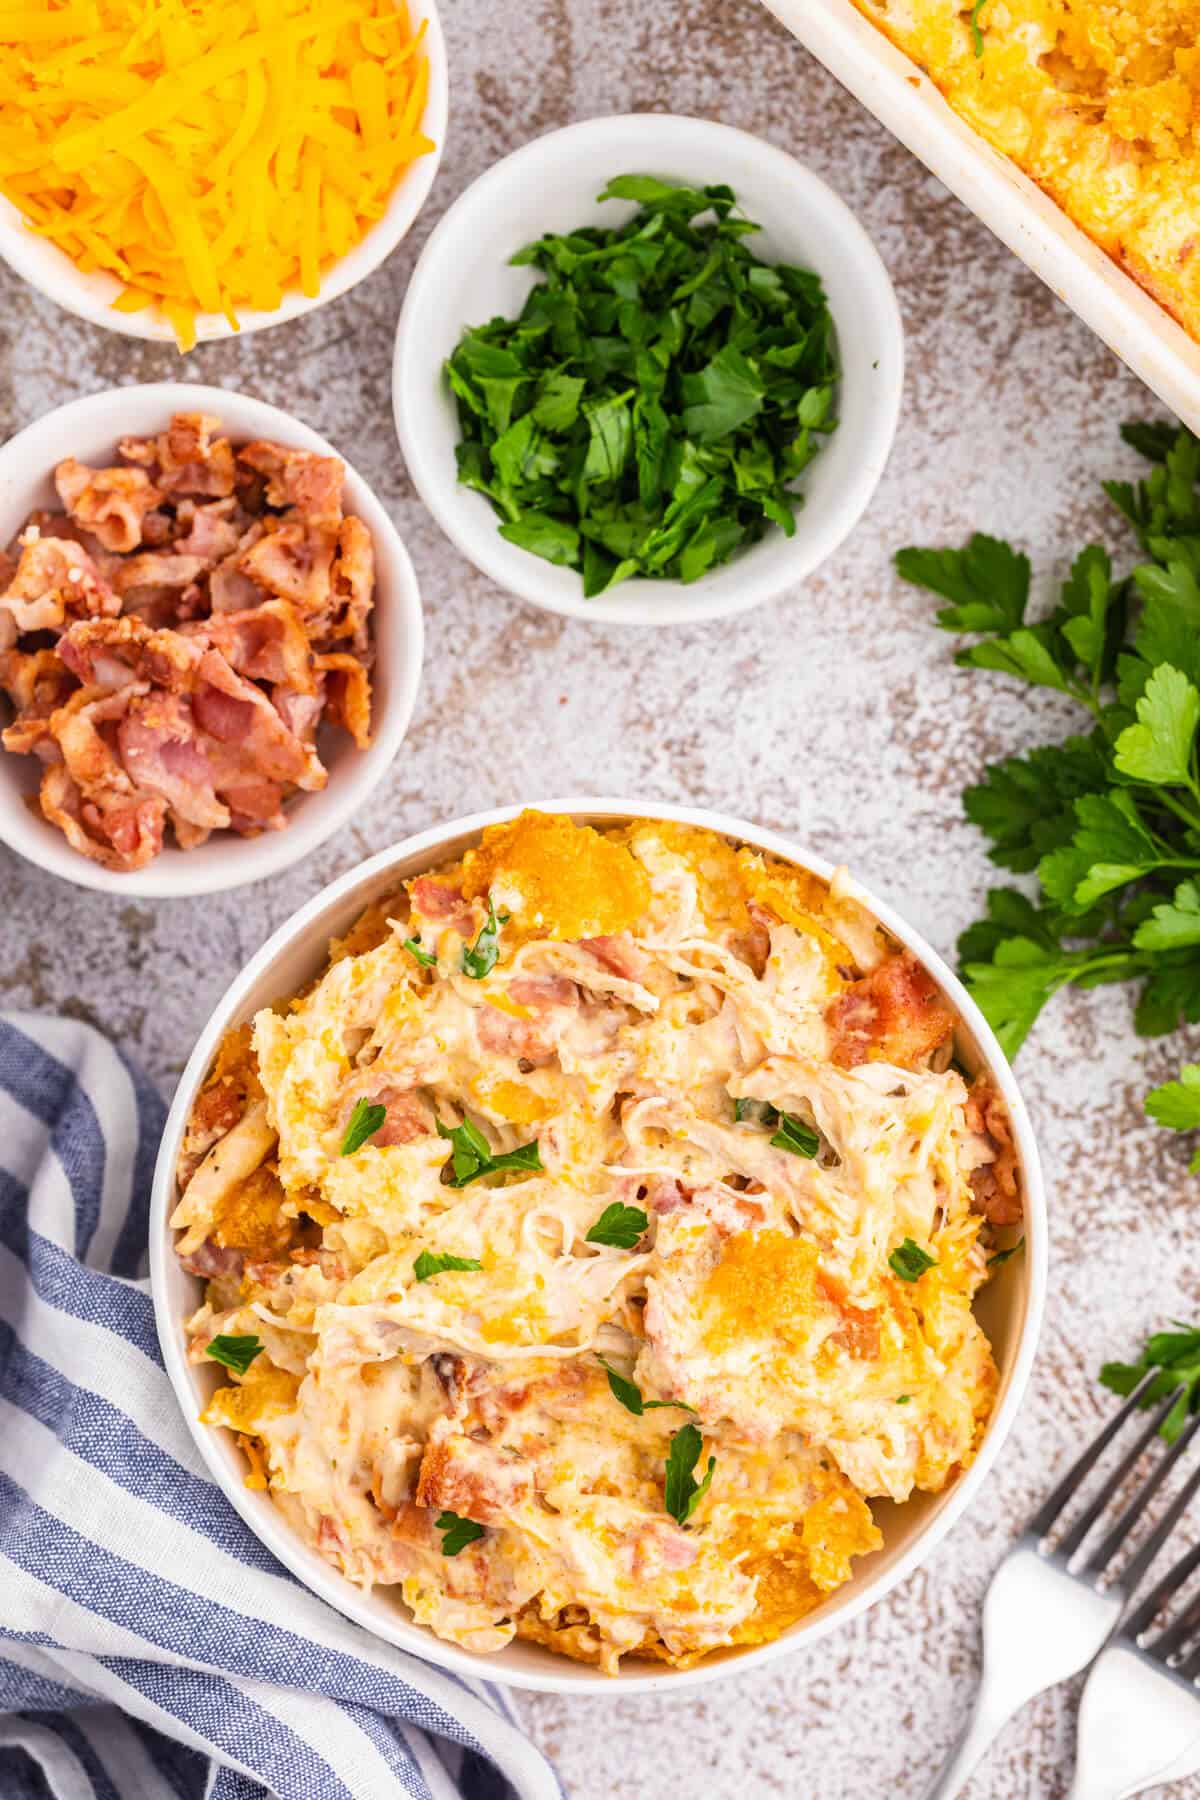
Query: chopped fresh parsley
903, 1399
620, 1226
236, 1353
365, 1121
630, 1395
428, 1264
651, 409
479, 958
682, 1493
1002, 1256
1177, 1355
910, 1262
425, 957
472, 1155
456, 1532
1108, 819
796, 1136
977, 27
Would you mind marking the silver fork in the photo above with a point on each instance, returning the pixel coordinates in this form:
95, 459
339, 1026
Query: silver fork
1043, 1620
1139, 1719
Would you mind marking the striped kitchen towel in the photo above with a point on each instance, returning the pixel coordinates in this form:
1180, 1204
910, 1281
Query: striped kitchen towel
150, 1647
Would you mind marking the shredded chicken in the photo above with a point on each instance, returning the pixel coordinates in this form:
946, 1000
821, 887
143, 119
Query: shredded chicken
210, 609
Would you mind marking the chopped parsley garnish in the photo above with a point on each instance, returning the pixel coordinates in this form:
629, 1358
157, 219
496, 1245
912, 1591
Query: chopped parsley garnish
1177, 1355
1108, 818
910, 1262
682, 1493
650, 410
796, 1136
977, 27
1002, 1256
479, 958
456, 1532
472, 1155
620, 1226
365, 1121
236, 1353
903, 1399
428, 1264
790, 1133
425, 957
630, 1395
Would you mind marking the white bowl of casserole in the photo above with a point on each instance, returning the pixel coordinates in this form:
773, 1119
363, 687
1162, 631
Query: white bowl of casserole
1009, 1307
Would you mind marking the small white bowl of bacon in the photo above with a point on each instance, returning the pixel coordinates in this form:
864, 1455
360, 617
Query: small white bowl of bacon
210, 640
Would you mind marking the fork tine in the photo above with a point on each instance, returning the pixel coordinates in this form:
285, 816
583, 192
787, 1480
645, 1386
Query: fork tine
1189, 1668
1101, 1557
1046, 1514
1172, 1640
1143, 1616
1130, 1576
1117, 1479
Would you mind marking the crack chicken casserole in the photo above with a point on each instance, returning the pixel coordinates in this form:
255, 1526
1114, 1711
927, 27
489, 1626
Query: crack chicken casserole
1097, 100
596, 1238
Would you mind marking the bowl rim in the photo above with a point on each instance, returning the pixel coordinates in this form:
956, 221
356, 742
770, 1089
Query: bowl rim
418, 1640
272, 852
89, 296
638, 601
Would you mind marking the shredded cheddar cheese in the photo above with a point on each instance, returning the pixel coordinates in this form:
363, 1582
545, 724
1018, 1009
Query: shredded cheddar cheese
210, 155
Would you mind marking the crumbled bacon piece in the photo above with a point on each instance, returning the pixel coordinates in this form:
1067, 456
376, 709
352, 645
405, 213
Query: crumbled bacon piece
111, 503
858, 1333
995, 1184
619, 955
186, 457
299, 478
37, 682
895, 1014
437, 900
55, 580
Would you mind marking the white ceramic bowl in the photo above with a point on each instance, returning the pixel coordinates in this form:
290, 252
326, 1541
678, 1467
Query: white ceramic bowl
89, 429
47, 268
463, 278
1010, 1308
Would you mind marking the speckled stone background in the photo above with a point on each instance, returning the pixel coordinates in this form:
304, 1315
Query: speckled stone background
835, 714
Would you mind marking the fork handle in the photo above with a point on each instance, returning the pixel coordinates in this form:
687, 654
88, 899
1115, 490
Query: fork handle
984, 1725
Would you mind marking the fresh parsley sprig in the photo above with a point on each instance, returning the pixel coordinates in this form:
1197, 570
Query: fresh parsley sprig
472, 1155
630, 1395
909, 1261
652, 407
428, 1264
426, 958
480, 958
457, 1532
1176, 1354
364, 1122
619, 1226
790, 1133
682, 1493
233, 1351
1109, 820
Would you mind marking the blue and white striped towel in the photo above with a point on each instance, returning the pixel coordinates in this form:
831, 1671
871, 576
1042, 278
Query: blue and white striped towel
150, 1647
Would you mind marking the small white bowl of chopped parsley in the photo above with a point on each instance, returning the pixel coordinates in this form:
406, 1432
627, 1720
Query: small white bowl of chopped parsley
648, 371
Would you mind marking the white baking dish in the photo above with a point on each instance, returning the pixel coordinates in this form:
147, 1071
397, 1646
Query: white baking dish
903, 98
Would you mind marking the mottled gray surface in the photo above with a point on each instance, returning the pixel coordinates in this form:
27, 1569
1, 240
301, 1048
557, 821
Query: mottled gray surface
835, 714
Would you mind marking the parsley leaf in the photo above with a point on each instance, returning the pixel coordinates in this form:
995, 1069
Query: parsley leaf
654, 405
428, 1264
1110, 821
1176, 1354
365, 1121
796, 1136
457, 1532
480, 958
426, 959
236, 1353
1002, 1256
976, 27
620, 1226
472, 1155
630, 1395
682, 1494
910, 1262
